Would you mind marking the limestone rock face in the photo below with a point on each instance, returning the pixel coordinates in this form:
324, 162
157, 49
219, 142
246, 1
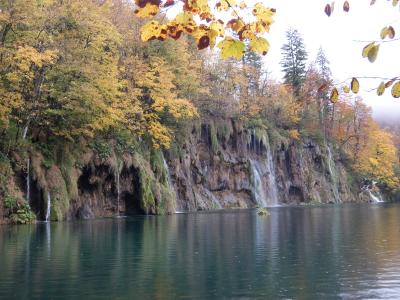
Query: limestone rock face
217, 166
247, 166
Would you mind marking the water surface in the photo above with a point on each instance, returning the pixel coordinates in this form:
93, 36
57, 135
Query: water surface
329, 252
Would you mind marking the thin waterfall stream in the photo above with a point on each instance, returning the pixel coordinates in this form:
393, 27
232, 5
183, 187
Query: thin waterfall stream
48, 210
169, 182
118, 192
332, 173
374, 198
259, 193
271, 177
28, 181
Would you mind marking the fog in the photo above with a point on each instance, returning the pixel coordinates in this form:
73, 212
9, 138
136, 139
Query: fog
338, 36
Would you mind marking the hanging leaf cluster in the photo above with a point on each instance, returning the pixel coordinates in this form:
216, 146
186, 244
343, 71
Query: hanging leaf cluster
354, 87
370, 51
330, 7
227, 25
393, 83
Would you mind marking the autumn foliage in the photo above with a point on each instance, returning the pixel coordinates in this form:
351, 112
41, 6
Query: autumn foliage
205, 23
76, 70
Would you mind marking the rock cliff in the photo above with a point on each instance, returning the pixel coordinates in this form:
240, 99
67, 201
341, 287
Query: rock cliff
218, 165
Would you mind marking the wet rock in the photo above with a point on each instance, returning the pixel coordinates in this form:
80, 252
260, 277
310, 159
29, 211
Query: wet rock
84, 213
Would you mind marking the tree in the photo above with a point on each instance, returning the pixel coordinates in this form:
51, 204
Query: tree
153, 84
322, 64
324, 83
294, 60
253, 70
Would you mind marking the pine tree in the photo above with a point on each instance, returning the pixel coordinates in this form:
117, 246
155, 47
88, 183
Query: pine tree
322, 64
325, 74
294, 60
252, 68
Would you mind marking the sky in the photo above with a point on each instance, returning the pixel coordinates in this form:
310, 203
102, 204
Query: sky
340, 36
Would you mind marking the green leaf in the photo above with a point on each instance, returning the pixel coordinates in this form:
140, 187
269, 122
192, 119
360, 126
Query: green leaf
231, 47
381, 89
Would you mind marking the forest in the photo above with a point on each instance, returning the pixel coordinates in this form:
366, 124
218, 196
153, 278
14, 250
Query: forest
75, 76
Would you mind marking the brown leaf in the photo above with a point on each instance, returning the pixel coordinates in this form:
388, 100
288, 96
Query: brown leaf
204, 42
390, 82
328, 10
346, 6
322, 88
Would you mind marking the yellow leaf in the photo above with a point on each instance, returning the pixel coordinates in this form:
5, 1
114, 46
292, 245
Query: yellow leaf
235, 24
396, 90
231, 47
373, 53
149, 10
387, 32
224, 5
150, 31
218, 27
259, 45
381, 89
334, 95
355, 86
367, 48
264, 14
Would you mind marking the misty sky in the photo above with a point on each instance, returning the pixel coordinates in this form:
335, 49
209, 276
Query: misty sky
337, 35
340, 36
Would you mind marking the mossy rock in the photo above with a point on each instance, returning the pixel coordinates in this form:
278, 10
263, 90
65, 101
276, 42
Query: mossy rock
263, 212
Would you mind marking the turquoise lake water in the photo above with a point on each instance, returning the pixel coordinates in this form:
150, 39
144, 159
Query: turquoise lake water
327, 252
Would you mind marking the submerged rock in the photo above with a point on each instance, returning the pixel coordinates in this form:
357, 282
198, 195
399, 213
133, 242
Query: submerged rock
262, 212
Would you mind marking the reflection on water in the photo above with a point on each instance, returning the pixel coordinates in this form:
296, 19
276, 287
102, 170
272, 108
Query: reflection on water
348, 251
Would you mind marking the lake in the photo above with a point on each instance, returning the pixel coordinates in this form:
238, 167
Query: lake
333, 251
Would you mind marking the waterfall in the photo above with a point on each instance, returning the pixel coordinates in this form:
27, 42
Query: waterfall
28, 181
332, 173
25, 132
374, 198
48, 207
258, 187
169, 182
273, 191
118, 190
